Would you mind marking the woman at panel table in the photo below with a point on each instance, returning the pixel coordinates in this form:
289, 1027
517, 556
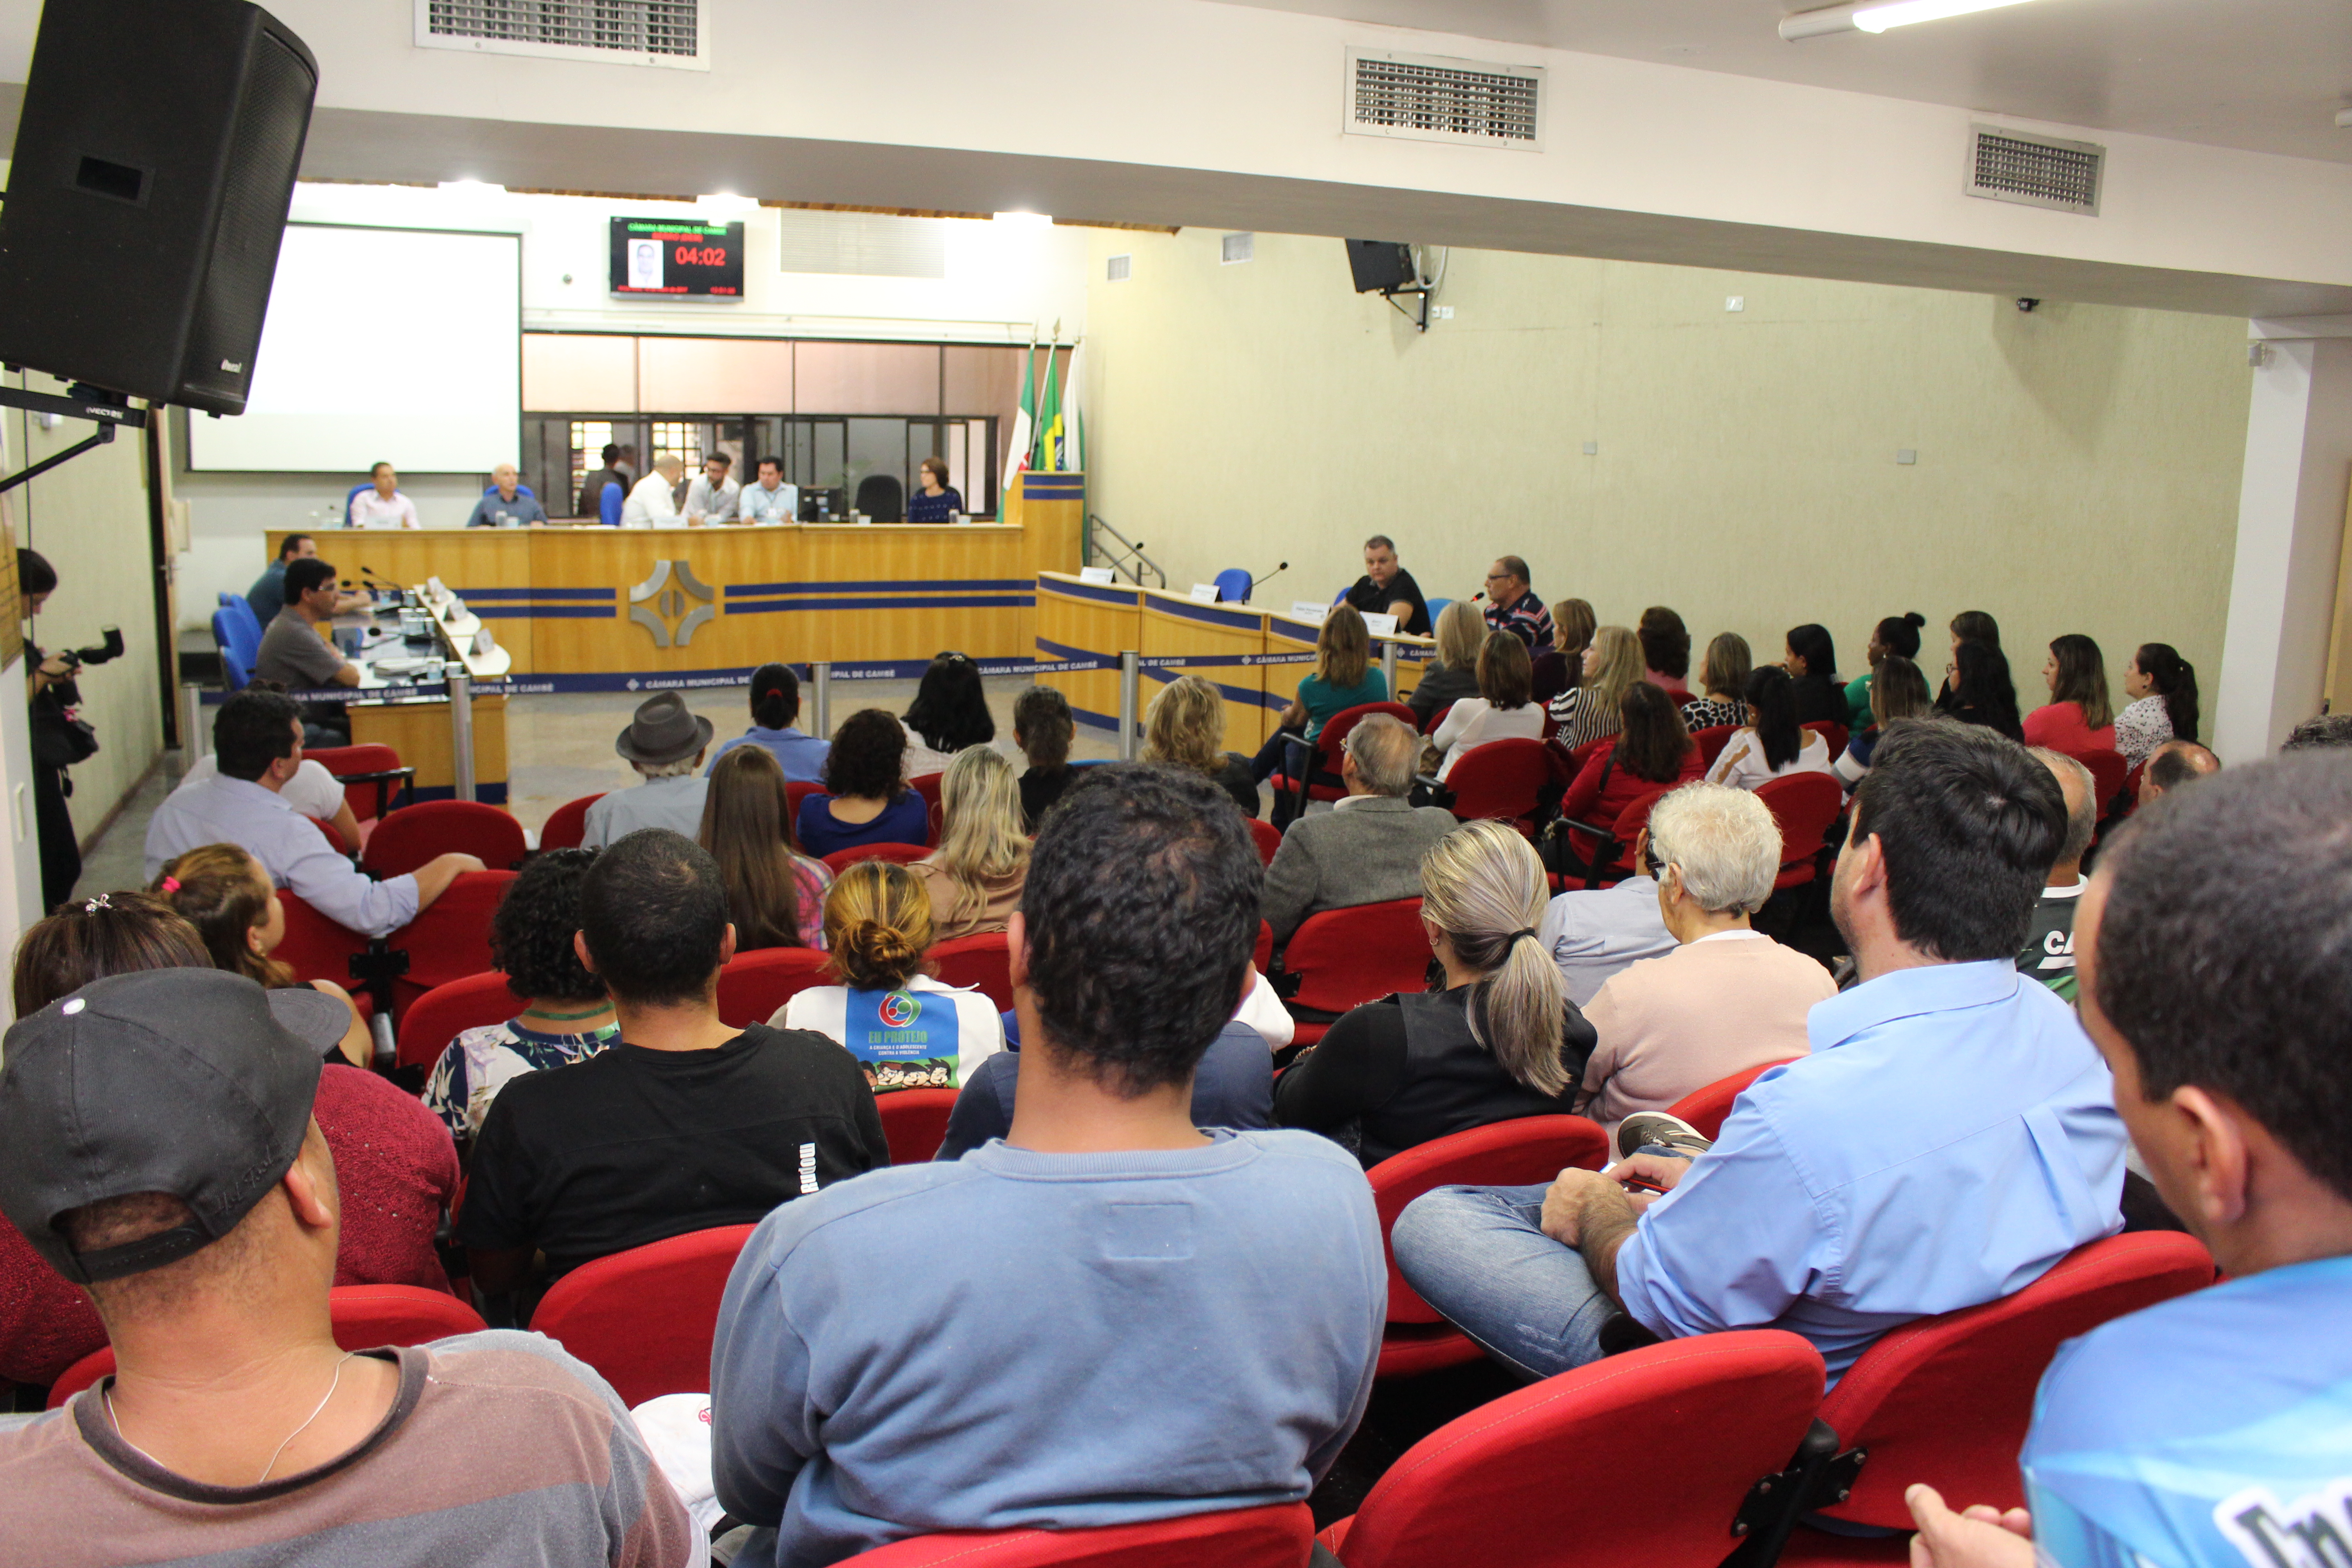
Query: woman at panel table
934, 500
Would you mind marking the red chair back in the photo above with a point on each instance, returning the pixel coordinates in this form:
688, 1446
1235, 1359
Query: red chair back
1261, 955
1346, 957
644, 1318
2108, 773
928, 787
315, 947
1437, 718
915, 1121
1500, 779
1487, 1488
1705, 1108
1280, 1535
2130, 801
409, 837
365, 1316
754, 985
796, 792
1515, 1153
327, 831
983, 963
1945, 1400
1804, 805
435, 1019
1267, 837
1712, 740
1586, 752
369, 758
904, 853
568, 824
1834, 734
451, 939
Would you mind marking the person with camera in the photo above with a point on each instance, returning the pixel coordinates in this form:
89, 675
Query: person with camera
61, 737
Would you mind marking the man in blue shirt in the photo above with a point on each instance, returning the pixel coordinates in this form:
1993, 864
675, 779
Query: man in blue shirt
1104, 1318
2216, 1428
1951, 1136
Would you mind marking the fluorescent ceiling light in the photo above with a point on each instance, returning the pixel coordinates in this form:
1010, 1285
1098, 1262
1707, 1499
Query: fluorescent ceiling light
472, 189
725, 201
1031, 220
1877, 16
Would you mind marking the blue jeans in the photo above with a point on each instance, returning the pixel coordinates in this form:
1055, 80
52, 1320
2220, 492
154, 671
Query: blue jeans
1479, 1255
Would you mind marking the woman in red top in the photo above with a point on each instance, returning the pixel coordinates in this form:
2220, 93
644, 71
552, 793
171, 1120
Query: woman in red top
1653, 752
2079, 718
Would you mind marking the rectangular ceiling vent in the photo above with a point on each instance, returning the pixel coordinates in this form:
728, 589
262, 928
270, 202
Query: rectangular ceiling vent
863, 244
2035, 171
1235, 248
616, 32
1428, 98
1120, 268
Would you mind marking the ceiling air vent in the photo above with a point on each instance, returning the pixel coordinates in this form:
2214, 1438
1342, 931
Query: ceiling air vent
1429, 98
1120, 268
2035, 171
1236, 247
862, 245
618, 32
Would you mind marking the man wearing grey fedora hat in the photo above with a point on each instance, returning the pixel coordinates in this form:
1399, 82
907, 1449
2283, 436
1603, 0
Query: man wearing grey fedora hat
664, 743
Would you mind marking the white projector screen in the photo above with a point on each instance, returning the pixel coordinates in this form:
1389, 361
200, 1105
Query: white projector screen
397, 345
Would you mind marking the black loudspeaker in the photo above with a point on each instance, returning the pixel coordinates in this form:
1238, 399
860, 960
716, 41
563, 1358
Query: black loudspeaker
1380, 265
154, 162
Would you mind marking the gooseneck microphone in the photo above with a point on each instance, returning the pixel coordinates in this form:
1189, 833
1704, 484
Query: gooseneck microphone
1269, 577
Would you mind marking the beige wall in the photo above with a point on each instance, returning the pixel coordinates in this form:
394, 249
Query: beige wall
2076, 467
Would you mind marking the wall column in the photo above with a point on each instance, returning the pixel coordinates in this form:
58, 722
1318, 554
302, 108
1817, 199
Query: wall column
2291, 511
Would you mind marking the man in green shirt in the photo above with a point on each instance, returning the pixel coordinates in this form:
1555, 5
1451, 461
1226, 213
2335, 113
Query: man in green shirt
2049, 951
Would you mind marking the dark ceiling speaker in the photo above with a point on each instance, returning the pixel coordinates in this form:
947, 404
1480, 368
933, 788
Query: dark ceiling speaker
1380, 266
155, 160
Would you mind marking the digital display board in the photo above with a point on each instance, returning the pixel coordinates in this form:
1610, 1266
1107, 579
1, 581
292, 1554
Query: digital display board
666, 255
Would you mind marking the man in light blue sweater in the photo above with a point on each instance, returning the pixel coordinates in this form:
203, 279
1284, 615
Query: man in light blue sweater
1104, 1318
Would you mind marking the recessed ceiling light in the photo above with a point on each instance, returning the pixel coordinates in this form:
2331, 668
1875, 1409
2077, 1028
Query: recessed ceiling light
1033, 220
1877, 16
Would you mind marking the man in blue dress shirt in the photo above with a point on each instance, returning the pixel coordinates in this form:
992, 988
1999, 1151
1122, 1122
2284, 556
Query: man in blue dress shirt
2215, 1429
1951, 1136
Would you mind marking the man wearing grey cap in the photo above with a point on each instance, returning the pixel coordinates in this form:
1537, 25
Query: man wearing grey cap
157, 1148
664, 744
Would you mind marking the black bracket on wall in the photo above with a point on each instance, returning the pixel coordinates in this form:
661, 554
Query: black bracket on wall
109, 410
1419, 319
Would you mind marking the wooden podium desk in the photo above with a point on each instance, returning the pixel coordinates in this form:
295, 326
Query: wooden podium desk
414, 719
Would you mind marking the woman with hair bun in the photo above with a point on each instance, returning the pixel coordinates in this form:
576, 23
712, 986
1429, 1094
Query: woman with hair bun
905, 1029
2162, 686
775, 704
1496, 1040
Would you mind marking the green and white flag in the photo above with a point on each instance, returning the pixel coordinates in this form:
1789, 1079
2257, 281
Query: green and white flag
1024, 423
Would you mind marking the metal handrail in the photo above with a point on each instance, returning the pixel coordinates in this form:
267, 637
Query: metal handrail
1096, 525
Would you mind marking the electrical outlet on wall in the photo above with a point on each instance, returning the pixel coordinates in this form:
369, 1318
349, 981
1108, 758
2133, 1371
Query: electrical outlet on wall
1734, 301
1442, 312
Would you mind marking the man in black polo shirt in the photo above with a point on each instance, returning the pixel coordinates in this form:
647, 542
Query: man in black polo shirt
681, 1124
1388, 589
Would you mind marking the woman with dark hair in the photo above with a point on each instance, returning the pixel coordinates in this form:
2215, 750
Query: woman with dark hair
2079, 717
1977, 689
1560, 665
949, 714
1044, 726
1653, 752
935, 501
1501, 712
775, 703
1773, 744
224, 893
1897, 691
1811, 660
865, 799
2163, 688
1968, 626
1723, 679
773, 896
566, 1017
1665, 651
1897, 635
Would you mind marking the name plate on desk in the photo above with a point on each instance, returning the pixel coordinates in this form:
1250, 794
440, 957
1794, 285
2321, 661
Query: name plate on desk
1204, 593
483, 642
1102, 574
1380, 626
1310, 610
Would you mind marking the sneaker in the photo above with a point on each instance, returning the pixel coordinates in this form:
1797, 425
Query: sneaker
1648, 1129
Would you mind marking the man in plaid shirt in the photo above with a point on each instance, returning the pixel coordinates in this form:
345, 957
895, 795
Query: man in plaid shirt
1512, 606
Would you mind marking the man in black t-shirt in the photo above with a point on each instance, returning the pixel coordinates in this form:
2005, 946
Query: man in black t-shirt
1388, 589
683, 1123
2047, 955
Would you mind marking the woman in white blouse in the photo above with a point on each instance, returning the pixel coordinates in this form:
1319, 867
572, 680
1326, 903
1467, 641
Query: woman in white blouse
1770, 745
2163, 688
1504, 709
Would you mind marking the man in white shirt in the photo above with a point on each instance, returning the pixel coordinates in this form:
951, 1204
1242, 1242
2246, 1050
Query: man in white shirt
771, 501
385, 506
654, 502
711, 497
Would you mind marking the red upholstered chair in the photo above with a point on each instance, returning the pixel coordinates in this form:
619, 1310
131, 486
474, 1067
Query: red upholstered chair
365, 1316
428, 1024
1804, 805
1326, 755
450, 940
1437, 719
2108, 773
2130, 801
1497, 1485
568, 824
327, 831
1267, 837
928, 787
1261, 955
372, 776
644, 1318
315, 947
1705, 1108
983, 963
1613, 852
754, 985
1713, 739
915, 1121
408, 838
1501, 1154
904, 853
1280, 1535
1341, 958
1586, 752
796, 792
1945, 1400
1834, 734
1501, 779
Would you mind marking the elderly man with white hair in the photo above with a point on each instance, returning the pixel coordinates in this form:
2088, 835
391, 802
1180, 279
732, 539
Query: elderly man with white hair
1729, 997
506, 504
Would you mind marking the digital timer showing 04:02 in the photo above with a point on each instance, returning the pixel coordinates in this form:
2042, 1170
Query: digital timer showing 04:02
688, 255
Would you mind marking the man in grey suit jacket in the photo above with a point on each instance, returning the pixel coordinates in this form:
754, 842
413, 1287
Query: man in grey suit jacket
1368, 849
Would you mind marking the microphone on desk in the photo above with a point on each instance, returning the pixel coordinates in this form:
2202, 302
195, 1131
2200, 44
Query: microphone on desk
1270, 576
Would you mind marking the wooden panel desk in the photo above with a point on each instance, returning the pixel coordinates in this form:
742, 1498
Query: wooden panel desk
414, 719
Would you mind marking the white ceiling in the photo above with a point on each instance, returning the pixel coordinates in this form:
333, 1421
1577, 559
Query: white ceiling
2266, 76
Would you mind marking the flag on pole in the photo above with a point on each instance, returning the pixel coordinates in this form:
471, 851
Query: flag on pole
1073, 416
1049, 417
1024, 423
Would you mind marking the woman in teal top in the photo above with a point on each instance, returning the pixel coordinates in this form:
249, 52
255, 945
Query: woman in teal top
1343, 679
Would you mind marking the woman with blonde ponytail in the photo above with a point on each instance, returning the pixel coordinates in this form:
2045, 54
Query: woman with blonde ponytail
905, 1029
1499, 1040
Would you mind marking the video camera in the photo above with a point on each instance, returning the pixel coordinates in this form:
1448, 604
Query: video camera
69, 694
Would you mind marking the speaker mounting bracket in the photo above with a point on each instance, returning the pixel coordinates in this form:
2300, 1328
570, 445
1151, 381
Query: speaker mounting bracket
1421, 291
81, 402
